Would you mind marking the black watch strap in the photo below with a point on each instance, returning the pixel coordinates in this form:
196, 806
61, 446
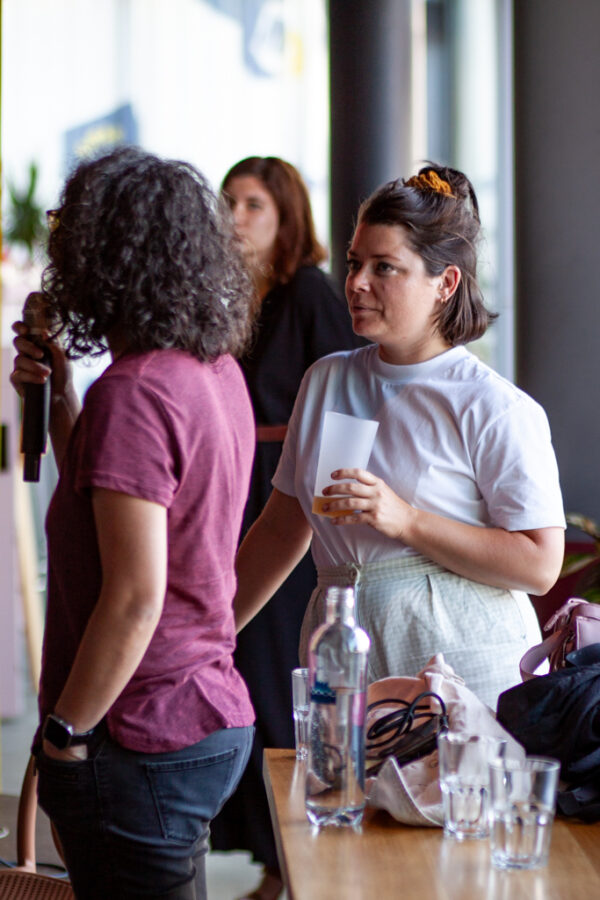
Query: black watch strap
61, 734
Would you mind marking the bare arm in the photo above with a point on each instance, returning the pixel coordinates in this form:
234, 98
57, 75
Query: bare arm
64, 403
64, 410
517, 560
132, 539
270, 551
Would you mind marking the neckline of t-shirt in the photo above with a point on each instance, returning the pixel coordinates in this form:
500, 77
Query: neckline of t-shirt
391, 372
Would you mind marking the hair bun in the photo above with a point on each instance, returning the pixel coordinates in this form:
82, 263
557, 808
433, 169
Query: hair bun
429, 180
447, 181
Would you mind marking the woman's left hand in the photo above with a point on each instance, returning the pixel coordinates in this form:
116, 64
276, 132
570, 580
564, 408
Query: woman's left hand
369, 501
71, 754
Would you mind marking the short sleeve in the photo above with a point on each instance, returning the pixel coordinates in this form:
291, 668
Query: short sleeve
126, 443
285, 475
516, 469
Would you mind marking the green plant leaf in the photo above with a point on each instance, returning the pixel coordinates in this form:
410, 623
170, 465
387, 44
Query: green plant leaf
32, 182
25, 217
585, 524
592, 594
588, 585
575, 562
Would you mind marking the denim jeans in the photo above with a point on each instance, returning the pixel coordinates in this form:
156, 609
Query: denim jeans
136, 825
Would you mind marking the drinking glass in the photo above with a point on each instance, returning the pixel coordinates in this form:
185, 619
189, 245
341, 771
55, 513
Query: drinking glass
346, 443
464, 782
301, 701
523, 800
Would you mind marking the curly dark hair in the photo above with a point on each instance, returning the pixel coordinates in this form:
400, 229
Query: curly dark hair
444, 229
141, 247
296, 243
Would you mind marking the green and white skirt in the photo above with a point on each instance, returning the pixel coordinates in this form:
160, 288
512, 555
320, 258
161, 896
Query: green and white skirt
412, 609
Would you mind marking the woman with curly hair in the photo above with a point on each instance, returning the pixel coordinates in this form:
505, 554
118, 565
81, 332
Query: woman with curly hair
145, 724
301, 317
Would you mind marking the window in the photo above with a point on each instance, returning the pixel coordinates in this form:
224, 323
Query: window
469, 126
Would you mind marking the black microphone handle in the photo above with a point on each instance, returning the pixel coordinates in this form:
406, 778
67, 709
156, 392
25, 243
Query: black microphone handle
34, 430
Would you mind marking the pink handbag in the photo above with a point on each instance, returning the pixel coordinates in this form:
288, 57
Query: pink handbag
574, 626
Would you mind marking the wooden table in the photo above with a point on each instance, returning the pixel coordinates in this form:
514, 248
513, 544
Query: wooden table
389, 860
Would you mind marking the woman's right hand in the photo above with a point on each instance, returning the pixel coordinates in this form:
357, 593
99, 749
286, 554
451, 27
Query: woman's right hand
29, 368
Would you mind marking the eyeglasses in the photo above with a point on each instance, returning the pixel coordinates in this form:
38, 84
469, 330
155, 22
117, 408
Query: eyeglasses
52, 219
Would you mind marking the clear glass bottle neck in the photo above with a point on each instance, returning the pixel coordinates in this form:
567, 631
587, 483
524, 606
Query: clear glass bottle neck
340, 605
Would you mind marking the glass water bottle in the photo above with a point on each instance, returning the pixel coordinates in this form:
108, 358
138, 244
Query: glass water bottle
335, 772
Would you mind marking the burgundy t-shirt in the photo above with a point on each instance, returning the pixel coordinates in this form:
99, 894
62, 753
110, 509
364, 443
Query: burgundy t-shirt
164, 427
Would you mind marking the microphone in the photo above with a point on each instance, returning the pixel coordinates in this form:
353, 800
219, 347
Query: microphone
36, 400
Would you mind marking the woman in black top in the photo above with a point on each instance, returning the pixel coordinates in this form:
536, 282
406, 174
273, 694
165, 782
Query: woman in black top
300, 318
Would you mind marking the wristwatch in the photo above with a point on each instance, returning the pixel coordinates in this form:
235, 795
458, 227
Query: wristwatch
61, 734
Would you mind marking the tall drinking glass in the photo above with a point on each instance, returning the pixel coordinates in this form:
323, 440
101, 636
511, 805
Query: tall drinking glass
301, 701
523, 800
346, 443
464, 782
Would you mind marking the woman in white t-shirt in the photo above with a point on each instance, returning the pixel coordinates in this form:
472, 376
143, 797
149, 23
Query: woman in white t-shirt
460, 512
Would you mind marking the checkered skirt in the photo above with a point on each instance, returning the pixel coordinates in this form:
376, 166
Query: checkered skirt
412, 608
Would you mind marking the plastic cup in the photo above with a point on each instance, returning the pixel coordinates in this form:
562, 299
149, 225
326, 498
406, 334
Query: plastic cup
301, 702
346, 443
523, 800
464, 781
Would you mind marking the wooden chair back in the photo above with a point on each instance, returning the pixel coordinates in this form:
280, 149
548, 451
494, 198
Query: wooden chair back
24, 882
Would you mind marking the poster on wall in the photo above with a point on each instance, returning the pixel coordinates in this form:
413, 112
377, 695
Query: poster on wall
263, 30
118, 127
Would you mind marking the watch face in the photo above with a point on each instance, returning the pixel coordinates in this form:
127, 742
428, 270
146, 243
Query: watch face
57, 732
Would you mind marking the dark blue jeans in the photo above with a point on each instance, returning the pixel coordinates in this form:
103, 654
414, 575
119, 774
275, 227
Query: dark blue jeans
136, 825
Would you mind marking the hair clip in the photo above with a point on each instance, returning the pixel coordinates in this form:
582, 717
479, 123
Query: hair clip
430, 181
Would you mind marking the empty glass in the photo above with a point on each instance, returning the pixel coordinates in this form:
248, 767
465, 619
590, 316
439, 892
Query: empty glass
464, 782
523, 800
301, 701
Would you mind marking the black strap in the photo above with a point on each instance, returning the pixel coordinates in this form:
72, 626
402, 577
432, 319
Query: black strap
397, 734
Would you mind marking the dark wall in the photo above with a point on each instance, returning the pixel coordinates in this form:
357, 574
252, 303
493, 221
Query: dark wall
557, 201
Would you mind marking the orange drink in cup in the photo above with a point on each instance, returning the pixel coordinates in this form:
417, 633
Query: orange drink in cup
346, 443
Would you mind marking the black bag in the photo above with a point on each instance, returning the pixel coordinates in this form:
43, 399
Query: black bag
558, 715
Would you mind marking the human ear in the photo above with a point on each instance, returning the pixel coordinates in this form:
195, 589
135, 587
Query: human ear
449, 281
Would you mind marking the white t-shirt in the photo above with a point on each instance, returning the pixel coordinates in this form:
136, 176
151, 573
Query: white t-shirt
454, 438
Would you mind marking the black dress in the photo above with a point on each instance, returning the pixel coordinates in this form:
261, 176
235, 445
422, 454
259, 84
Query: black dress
299, 322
